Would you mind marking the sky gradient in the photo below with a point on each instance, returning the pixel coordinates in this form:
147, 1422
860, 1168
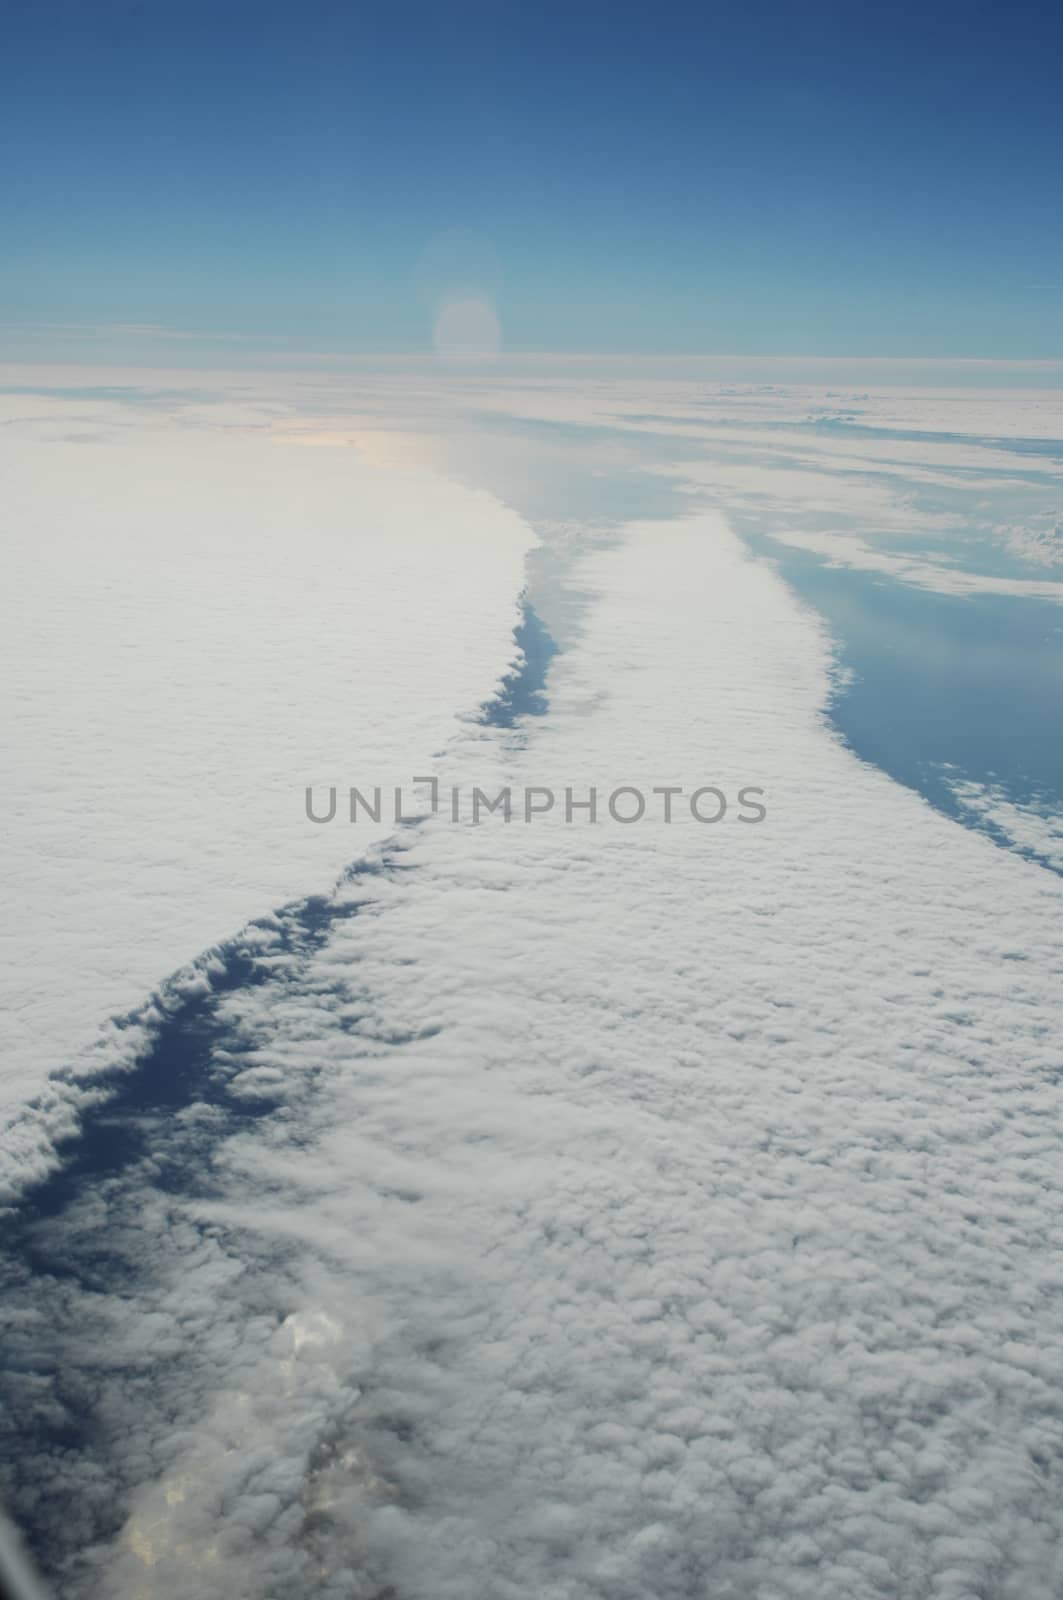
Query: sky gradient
768, 179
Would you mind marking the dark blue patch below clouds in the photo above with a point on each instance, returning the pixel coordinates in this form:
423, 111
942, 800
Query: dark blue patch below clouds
937, 687
524, 691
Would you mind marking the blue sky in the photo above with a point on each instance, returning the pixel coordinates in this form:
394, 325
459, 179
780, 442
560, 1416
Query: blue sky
753, 179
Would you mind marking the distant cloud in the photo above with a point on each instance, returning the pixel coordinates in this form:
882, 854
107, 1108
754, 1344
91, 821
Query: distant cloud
847, 550
1039, 541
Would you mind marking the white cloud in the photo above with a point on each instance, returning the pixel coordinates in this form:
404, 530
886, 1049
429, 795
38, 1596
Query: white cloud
1039, 541
850, 551
671, 1209
196, 625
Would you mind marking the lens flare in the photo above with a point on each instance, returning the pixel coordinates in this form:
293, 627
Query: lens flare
467, 329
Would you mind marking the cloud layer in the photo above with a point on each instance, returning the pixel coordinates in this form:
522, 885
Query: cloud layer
196, 625
664, 1210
